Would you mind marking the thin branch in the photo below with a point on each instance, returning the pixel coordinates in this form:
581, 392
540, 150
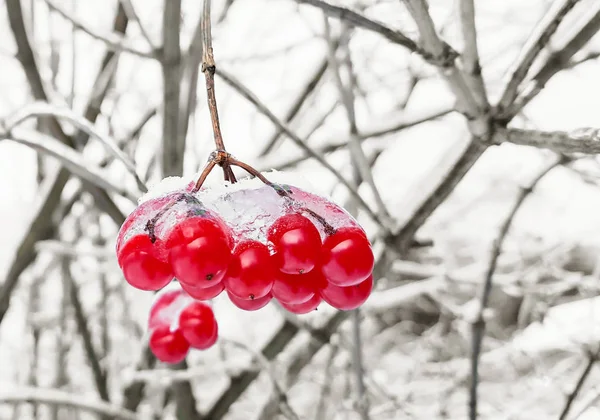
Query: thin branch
347, 98
442, 53
478, 326
556, 62
98, 372
19, 395
357, 362
387, 125
305, 93
435, 193
360, 21
113, 41
535, 44
470, 54
262, 108
173, 146
41, 224
133, 16
38, 109
592, 359
582, 140
321, 410
282, 400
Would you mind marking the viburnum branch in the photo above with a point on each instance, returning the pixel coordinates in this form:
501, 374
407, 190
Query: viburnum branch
592, 359
208, 68
478, 326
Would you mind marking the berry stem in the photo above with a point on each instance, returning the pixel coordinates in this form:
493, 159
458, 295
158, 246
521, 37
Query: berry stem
209, 68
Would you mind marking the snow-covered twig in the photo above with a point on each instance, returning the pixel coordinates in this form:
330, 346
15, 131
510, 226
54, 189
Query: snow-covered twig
582, 140
478, 323
592, 359
470, 54
18, 395
535, 44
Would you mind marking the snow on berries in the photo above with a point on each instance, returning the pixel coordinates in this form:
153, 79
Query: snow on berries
254, 240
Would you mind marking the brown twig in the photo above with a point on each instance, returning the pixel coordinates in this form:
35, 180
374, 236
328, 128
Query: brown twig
478, 326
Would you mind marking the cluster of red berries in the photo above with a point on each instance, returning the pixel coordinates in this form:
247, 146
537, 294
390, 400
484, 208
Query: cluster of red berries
272, 242
178, 322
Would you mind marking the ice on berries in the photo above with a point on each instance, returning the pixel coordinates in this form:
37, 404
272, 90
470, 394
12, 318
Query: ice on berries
255, 241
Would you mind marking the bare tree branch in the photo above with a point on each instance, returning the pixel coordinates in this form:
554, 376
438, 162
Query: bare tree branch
41, 226
360, 21
38, 109
112, 41
19, 395
556, 62
535, 44
582, 140
478, 326
133, 16
470, 55
305, 92
173, 146
98, 372
347, 98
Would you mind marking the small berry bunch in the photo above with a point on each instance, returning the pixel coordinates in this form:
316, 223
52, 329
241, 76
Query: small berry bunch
177, 322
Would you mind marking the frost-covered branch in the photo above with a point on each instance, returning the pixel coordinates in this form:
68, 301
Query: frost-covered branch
557, 61
470, 54
360, 21
478, 323
173, 146
582, 140
19, 395
113, 41
535, 44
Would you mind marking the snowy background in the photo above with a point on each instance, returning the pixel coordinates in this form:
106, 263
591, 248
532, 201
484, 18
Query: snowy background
543, 323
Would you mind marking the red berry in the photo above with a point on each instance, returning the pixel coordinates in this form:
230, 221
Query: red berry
296, 288
140, 215
199, 251
198, 325
250, 274
297, 243
164, 309
140, 262
204, 293
347, 257
304, 307
168, 346
249, 305
350, 297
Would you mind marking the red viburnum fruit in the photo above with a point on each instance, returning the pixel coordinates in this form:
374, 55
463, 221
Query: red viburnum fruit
199, 251
198, 325
347, 257
250, 275
297, 243
350, 297
168, 345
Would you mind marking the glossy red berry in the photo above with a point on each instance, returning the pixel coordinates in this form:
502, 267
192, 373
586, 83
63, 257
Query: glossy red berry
165, 307
249, 305
140, 262
297, 243
350, 297
251, 273
347, 257
296, 288
199, 251
304, 307
198, 325
169, 346
204, 293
